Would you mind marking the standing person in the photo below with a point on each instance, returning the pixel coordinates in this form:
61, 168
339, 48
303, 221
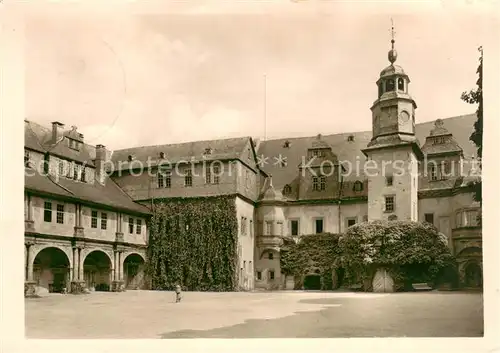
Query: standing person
177, 293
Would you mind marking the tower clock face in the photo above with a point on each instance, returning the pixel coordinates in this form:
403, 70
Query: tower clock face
404, 116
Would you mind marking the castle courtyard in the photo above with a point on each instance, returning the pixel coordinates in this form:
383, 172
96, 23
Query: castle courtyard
282, 314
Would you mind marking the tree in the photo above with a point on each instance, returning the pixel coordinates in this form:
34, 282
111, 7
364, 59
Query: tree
476, 97
413, 252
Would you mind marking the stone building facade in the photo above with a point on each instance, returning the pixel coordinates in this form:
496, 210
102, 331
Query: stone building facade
283, 188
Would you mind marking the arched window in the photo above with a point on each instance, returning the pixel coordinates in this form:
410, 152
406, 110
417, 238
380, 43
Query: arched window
287, 189
389, 85
130, 158
358, 186
401, 84
380, 88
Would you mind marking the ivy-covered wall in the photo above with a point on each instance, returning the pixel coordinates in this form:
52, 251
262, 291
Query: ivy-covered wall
193, 242
311, 255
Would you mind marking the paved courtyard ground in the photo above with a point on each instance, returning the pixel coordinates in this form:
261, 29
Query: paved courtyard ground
150, 314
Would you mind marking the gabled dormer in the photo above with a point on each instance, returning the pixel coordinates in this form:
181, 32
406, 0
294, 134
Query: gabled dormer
318, 171
443, 155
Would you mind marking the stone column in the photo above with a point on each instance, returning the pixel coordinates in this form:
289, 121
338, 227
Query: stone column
80, 266
29, 284
120, 274
114, 267
30, 258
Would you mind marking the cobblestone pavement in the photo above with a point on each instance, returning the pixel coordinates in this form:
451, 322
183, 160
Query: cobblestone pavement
150, 314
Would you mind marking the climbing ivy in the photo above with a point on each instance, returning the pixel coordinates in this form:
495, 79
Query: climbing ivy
193, 242
317, 253
413, 252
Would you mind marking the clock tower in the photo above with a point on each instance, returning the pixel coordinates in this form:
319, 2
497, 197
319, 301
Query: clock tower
393, 152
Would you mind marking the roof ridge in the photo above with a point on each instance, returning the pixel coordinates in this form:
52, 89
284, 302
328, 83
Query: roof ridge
182, 143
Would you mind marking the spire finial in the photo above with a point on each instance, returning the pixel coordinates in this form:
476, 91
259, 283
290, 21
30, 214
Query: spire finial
392, 53
392, 34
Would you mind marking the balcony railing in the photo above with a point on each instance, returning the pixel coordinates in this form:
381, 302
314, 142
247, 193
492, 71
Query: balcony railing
269, 240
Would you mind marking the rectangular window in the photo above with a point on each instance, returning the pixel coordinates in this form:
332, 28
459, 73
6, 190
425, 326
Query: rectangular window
280, 228
61, 168
138, 228
322, 183
243, 230
93, 221
251, 228
271, 275
69, 170
319, 226
389, 204
60, 214
75, 172
458, 219
26, 158
83, 176
351, 222
47, 212
168, 179
104, 220
188, 178
208, 176
216, 175
161, 180
429, 218
433, 172
315, 184
471, 217
388, 181
269, 227
259, 275
131, 225
294, 227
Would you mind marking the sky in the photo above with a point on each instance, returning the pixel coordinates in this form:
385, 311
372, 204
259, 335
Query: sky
131, 79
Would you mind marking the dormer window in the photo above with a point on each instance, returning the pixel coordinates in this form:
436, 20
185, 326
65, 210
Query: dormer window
286, 144
317, 153
439, 140
207, 151
73, 144
358, 186
130, 158
350, 138
162, 155
287, 190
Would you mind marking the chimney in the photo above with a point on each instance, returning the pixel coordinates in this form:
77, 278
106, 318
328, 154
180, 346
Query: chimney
56, 131
100, 160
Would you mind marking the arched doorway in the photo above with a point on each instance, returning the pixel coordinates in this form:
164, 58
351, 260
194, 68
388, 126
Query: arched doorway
97, 271
133, 271
338, 277
51, 269
473, 275
313, 281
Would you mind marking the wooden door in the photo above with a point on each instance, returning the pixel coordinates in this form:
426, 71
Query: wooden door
383, 282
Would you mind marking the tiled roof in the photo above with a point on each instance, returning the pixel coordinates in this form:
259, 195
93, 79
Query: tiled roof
189, 151
108, 194
349, 152
39, 138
